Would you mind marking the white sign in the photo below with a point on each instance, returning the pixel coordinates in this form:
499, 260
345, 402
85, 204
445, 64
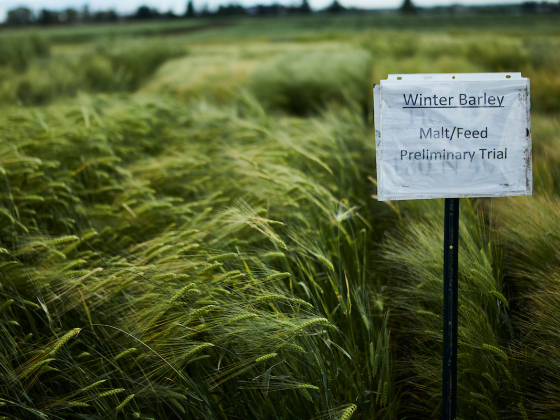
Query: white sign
453, 135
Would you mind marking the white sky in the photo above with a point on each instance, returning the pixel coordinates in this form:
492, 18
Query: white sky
178, 6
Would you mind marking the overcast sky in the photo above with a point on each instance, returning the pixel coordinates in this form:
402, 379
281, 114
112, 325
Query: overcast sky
178, 6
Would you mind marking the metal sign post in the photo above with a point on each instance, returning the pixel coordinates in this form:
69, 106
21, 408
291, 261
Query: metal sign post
450, 308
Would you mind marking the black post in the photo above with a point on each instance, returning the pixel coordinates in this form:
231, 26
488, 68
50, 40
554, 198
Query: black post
450, 308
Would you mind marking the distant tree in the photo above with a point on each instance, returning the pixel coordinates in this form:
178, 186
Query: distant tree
85, 15
19, 16
48, 17
144, 12
335, 7
408, 7
169, 15
305, 8
269, 10
69, 16
204, 11
231, 10
529, 7
190, 10
106, 16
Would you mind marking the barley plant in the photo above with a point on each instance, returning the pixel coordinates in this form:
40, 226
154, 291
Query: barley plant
189, 228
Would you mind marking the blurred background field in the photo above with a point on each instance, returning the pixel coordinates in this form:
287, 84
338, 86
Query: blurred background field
189, 225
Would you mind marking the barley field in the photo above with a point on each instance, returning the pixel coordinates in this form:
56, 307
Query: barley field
189, 226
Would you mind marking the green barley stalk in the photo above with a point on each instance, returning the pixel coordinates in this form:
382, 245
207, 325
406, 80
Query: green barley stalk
374, 360
523, 411
274, 255
224, 276
176, 395
152, 249
313, 322
306, 394
347, 413
103, 284
243, 318
200, 312
73, 264
125, 353
6, 304
232, 279
206, 302
31, 304
93, 385
34, 367
111, 392
326, 262
209, 268
500, 297
166, 276
385, 393
76, 273
301, 302
62, 240
271, 298
125, 402
178, 405
308, 386
427, 313
278, 276
89, 235
64, 339
265, 357
188, 248
77, 404
479, 396
196, 350
293, 347
122, 272
187, 289
188, 233
495, 350
89, 274
492, 381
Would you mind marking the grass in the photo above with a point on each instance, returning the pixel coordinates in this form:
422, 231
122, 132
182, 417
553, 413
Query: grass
189, 229
103, 67
87, 33
303, 87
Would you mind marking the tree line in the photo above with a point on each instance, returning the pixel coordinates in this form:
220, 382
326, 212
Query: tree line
25, 16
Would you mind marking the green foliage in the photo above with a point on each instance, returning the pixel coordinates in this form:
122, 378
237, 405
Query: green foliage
200, 238
304, 84
486, 367
116, 66
18, 51
130, 62
124, 297
535, 246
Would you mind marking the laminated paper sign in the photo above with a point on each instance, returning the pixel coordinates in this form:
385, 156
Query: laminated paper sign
453, 135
